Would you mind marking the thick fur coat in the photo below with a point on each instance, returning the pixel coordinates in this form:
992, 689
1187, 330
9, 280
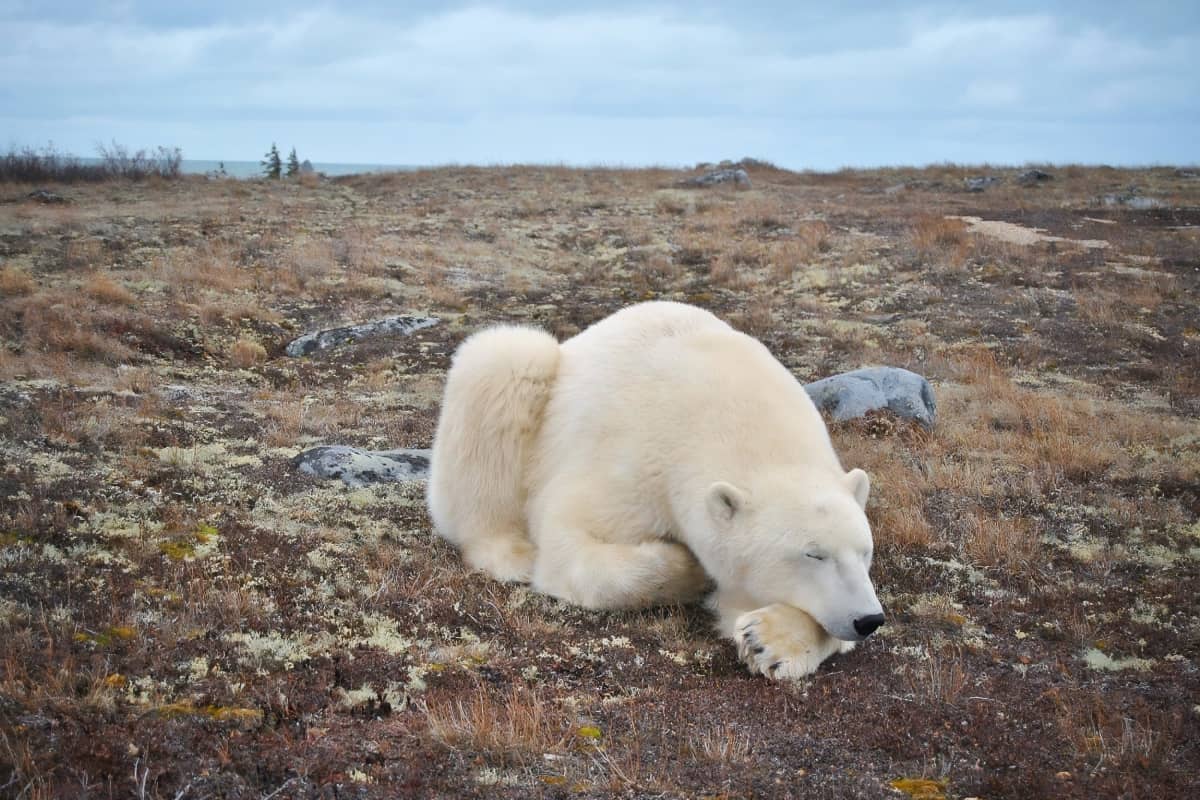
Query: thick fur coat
655, 454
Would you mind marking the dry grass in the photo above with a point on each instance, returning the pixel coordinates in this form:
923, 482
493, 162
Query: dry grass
945, 242
214, 265
231, 310
103, 289
304, 266
510, 727
898, 487
1011, 544
16, 282
247, 352
65, 322
940, 676
723, 744
83, 254
1107, 739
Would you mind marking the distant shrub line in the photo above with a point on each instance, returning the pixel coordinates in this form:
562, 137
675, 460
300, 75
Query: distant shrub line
29, 165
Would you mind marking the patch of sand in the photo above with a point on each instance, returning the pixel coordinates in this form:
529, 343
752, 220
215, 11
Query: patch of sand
1019, 234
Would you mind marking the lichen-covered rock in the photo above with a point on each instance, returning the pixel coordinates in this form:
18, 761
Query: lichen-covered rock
1132, 198
46, 196
846, 396
978, 183
320, 340
1031, 177
853, 394
356, 467
738, 177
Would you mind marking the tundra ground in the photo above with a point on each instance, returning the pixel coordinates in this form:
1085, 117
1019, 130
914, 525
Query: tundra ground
183, 616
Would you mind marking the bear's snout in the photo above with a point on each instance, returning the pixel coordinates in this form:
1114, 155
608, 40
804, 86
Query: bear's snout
865, 626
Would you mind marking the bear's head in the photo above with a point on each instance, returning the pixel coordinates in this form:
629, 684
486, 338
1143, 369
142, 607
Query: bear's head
802, 540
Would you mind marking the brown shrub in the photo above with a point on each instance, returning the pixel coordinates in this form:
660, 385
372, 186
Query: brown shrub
214, 266
64, 322
786, 255
944, 241
16, 282
1010, 543
83, 254
761, 213
224, 311
304, 264
104, 289
247, 352
898, 484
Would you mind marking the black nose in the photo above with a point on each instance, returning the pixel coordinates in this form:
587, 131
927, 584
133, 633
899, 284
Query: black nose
865, 626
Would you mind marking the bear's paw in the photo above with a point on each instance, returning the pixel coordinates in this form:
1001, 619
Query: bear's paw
783, 643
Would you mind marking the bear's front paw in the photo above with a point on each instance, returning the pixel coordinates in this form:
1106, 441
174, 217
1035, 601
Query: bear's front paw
782, 643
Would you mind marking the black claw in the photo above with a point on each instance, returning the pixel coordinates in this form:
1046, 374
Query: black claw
758, 650
775, 666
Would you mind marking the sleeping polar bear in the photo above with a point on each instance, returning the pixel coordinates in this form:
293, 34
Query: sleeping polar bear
657, 450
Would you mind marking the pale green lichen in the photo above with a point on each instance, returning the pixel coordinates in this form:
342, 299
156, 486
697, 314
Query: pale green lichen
197, 669
354, 698
384, 634
275, 649
358, 776
1095, 659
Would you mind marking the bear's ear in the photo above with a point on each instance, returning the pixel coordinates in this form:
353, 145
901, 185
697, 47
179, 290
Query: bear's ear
860, 485
724, 501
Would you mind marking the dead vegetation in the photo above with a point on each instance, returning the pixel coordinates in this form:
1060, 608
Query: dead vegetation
183, 615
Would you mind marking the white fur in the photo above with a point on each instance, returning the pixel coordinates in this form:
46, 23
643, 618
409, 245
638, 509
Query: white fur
653, 452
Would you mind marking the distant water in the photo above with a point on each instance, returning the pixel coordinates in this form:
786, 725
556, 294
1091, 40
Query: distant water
253, 169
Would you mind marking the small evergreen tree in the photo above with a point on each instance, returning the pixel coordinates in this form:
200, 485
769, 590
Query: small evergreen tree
271, 163
293, 167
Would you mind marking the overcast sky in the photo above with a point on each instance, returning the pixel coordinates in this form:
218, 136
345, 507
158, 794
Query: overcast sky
806, 85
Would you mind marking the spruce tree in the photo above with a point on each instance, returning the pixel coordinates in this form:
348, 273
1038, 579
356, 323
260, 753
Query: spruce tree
271, 164
293, 165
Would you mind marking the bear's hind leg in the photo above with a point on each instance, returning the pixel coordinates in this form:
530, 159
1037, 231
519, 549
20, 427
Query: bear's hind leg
586, 571
504, 556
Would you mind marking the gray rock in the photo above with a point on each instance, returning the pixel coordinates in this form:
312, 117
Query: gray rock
978, 183
853, 394
320, 340
1031, 177
176, 393
738, 177
306, 167
846, 396
1132, 199
46, 196
1183, 172
356, 467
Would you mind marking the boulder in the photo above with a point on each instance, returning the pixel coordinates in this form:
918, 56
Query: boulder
845, 397
854, 394
356, 467
738, 177
46, 196
306, 167
1132, 199
320, 340
978, 183
1032, 177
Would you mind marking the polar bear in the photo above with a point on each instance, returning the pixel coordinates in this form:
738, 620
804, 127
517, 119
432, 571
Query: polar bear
654, 454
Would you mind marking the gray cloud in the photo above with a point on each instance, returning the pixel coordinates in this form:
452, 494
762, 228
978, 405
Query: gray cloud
618, 83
